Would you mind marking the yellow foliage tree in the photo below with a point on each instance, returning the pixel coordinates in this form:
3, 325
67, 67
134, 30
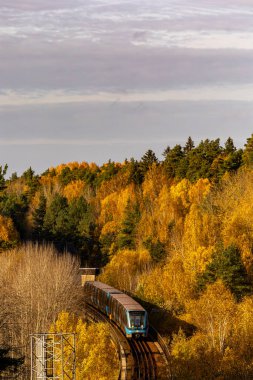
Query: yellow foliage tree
180, 196
197, 260
74, 189
113, 205
200, 236
243, 330
169, 286
158, 220
17, 187
192, 358
234, 202
222, 342
237, 361
146, 227
151, 187
239, 230
199, 190
50, 186
163, 214
125, 268
71, 165
8, 233
96, 356
214, 313
115, 184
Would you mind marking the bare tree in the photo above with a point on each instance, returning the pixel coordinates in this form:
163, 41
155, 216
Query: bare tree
36, 284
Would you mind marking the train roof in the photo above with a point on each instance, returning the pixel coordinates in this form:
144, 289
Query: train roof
126, 301
105, 287
129, 303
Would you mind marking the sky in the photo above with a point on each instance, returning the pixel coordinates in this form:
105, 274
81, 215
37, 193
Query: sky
93, 80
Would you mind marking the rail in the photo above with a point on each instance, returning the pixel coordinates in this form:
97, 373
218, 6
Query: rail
164, 349
141, 359
144, 358
123, 348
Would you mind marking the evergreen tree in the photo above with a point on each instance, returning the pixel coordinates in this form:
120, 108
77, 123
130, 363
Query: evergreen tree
31, 180
147, 160
106, 242
248, 152
15, 207
3, 171
135, 172
126, 236
173, 160
28, 175
107, 171
56, 221
66, 176
233, 161
189, 145
227, 265
201, 159
14, 177
166, 151
81, 222
229, 146
156, 249
38, 219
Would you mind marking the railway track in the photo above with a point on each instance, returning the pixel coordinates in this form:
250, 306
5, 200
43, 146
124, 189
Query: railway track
141, 359
126, 358
145, 364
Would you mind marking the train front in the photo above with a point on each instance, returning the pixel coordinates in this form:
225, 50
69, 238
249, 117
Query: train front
137, 325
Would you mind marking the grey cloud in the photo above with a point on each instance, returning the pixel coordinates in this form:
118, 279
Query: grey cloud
75, 45
87, 46
110, 122
115, 131
85, 67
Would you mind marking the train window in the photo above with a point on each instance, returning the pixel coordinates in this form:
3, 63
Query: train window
124, 317
120, 314
112, 307
104, 299
137, 319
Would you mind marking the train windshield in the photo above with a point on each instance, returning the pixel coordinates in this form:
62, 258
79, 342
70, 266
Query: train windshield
137, 319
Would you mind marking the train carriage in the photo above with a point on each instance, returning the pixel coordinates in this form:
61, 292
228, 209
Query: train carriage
128, 314
98, 294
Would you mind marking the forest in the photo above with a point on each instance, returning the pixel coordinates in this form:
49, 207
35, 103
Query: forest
175, 233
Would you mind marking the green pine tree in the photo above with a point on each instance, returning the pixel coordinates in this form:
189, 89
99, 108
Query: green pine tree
248, 152
201, 159
173, 162
147, 160
229, 146
126, 236
189, 145
3, 171
156, 249
135, 172
38, 219
56, 220
227, 265
31, 180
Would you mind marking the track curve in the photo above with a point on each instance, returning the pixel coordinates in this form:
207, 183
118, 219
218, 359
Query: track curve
141, 359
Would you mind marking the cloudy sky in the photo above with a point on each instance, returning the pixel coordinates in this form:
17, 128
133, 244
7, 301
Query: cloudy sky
93, 80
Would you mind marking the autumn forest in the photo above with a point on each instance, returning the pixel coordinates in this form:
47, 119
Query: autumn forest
175, 233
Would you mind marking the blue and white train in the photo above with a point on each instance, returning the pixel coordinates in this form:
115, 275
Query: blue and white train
128, 314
